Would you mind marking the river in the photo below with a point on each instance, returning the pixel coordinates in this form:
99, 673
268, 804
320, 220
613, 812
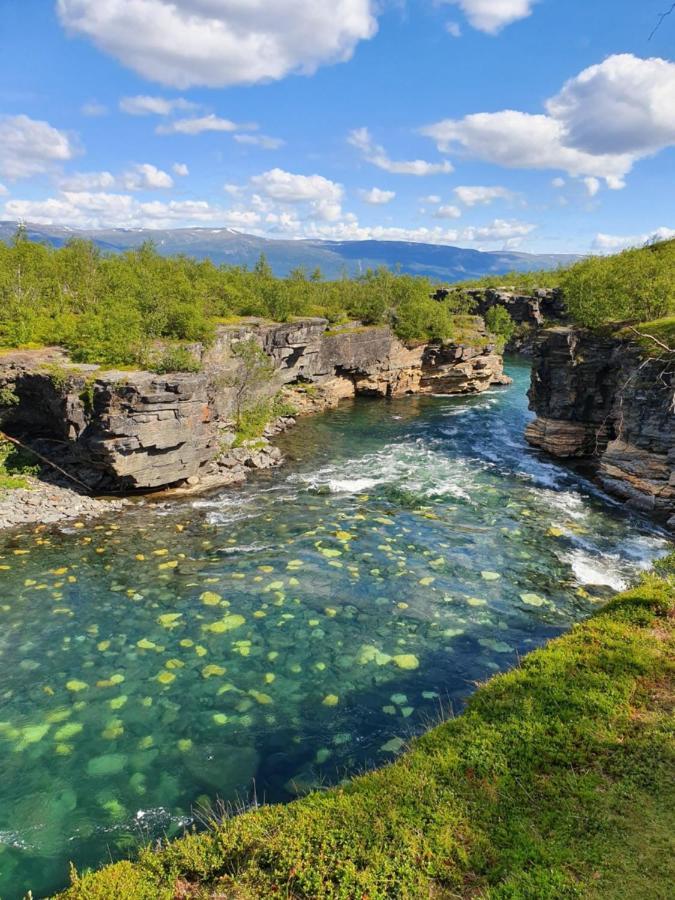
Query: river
289, 632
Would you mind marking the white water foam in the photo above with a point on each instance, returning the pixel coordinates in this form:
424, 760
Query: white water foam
410, 465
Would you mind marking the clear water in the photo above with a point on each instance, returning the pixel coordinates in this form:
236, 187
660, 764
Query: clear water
290, 631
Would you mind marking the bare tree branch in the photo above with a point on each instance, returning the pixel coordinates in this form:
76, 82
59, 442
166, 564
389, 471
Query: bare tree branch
662, 16
651, 336
48, 462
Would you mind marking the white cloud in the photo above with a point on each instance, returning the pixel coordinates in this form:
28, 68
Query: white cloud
180, 169
199, 125
592, 185
493, 15
3, 190
612, 243
599, 125
323, 196
87, 181
377, 155
85, 209
376, 196
145, 177
447, 212
624, 105
520, 140
504, 234
144, 105
31, 147
140, 177
453, 29
558, 182
430, 198
221, 42
260, 140
94, 109
474, 195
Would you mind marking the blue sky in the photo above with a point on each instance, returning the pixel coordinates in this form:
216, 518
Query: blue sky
541, 125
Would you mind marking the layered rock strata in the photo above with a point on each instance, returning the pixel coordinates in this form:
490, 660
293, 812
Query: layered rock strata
601, 398
141, 431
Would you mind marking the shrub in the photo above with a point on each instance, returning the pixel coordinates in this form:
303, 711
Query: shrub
499, 322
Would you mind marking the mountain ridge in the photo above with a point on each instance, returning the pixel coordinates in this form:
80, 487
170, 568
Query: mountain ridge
442, 262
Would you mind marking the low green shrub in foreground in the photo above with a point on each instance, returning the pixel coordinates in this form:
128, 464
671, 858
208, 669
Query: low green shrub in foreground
556, 782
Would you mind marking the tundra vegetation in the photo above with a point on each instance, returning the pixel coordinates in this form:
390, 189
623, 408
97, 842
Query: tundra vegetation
139, 308
556, 782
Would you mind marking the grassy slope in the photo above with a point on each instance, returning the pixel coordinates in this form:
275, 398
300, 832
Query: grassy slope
556, 782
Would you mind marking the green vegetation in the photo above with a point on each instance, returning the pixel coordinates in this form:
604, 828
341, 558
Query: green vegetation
499, 322
556, 782
636, 285
117, 309
16, 467
253, 420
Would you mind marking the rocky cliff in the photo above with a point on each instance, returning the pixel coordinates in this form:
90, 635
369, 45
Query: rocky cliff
125, 431
599, 397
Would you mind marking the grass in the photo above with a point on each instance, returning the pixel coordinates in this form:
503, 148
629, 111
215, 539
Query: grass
556, 782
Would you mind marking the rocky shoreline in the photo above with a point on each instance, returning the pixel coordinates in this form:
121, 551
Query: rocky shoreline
599, 398
132, 433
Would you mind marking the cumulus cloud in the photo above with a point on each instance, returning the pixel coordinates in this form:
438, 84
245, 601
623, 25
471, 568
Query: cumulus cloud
216, 43
377, 155
612, 243
200, 125
447, 212
592, 185
31, 147
377, 197
624, 105
264, 141
503, 234
600, 124
180, 169
144, 105
453, 29
558, 182
474, 195
323, 197
3, 190
146, 177
87, 181
140, 177
84, 209
493, 15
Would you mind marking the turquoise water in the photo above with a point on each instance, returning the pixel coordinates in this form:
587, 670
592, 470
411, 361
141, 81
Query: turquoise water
288, 632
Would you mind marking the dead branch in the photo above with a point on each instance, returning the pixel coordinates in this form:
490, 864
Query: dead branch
48, 462
651, 336
659, 22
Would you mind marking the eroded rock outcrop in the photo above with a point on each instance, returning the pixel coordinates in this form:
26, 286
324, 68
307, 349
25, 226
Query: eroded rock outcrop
600, 397
139, 431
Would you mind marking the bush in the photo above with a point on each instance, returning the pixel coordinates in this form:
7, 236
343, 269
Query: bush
500, 323
175, 359
634, 285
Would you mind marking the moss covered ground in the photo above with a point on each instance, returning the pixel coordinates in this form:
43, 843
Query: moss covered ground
557, 781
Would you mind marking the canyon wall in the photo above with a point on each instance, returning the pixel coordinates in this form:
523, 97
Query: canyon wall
601, 398
136, 430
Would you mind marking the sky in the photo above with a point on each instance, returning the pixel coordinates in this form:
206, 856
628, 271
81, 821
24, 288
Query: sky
537, 125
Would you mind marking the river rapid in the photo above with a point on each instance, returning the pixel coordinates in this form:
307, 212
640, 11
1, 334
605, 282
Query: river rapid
289, 632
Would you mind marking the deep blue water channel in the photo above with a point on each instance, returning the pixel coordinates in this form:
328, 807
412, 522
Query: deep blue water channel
289, 632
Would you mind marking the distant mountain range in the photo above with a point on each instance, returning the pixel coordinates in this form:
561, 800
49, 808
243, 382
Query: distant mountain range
223, 245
